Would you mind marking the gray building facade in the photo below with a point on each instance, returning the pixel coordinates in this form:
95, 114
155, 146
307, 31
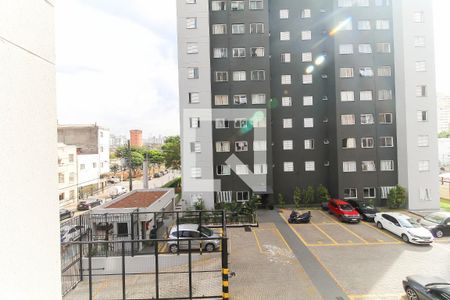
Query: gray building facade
304, 93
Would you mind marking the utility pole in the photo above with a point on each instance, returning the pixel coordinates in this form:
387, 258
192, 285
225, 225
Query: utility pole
130, 178
146, 171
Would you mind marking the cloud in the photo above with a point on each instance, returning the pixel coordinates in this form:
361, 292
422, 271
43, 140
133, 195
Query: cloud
114, 68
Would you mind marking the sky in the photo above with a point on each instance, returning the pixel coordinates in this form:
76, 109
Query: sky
117, 63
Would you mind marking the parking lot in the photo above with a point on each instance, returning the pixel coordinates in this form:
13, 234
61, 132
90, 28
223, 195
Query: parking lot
361, 260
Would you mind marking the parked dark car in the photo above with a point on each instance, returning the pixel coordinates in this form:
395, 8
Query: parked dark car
421, 287
65, 214
438, 223
365, 209
156, 175
88, 204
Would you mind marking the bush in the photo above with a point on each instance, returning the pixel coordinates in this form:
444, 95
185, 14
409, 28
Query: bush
322, 194
297, 197
309, 195
281, 201
396, 197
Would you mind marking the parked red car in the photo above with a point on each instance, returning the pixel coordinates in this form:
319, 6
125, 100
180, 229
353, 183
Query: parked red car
343, 211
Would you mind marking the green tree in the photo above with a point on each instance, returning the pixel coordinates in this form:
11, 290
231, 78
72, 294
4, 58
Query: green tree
444, 134
281, 201
137, 159
397, 197
171, 151
155, 156
199, 204
297, 197
309, 195
322, 194
251, 205
114, 168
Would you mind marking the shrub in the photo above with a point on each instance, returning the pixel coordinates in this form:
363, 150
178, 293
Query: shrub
322, 194
281, 201
297, 197
309, 195
396, 197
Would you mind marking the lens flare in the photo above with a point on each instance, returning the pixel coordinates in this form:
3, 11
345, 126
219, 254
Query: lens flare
339, 27
309, 69
320, 60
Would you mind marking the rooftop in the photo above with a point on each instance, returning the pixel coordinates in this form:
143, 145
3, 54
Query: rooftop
138, 199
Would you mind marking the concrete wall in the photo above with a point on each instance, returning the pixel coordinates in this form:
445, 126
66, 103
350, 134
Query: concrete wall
30, 252
407, 104
89, 175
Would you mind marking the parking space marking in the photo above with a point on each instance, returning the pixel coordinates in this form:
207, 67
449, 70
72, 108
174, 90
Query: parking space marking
282, 238
257, 241
326, 234
380, 296
277, 233
382, 232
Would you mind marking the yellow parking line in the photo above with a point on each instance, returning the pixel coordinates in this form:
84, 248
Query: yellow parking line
382, 232
328, 217
357, 235
329, 237
369, 296
352, 244
257, 242
284, 240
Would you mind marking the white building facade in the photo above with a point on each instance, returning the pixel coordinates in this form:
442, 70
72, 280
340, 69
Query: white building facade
67, 174
443, 113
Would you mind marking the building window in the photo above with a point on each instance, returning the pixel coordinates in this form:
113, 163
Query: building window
385, 118
362, 3
196, 172
194, 98
94, 165
306, 14
382, 2
240, 123
194, 122
306, 35
350, 193
71, 177
285, 57
308, 100
222, 124
288, 145
285, 36
421, 66
364, 25
308, 122
424, 165
347, 96
418, 17
257, 52
367, 143
384, 71
259, 122
72, 157
237, 5
288, 167
61, 177
383, 47
309, 144
384, 95
310, 166
365, 95
307, 79
224, 196
419, 41
191, 1
258, 98
221, 99
260, 169
61, 197
241, 146
223, 146
192, 48
286, 79
220, 52
349, 166
242, 170
369, 193
366, 72
345, 3
191, 23
72, 195
347, 119
307, 57
238, 52
346, 49
82, 166
287, 123
260, 145
422, 116
256, 28
284, 13
368, 166
223, 170
382, 24
286, 101
256, 4
240, 99
423, 141
346, 72
196, 147
219, 29
192, 73
258, 75
349, 143
242, 196
367, 119
218, 5
421, 91
386, 142
425, 194
221, 76
237, 28
239, 76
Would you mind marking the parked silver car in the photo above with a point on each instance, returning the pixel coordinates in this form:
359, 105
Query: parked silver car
192, 231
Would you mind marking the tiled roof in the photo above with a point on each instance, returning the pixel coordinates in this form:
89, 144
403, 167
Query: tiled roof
138, 199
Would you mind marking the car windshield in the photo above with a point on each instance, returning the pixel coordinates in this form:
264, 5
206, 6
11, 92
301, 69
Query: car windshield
367, 205
435, 218
408, 223
346, 207
206, 231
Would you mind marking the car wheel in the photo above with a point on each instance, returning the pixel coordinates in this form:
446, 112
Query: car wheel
340, 218
405, 238
438, 233
411, 294
173, 249
209, 247
379, 225
330, 212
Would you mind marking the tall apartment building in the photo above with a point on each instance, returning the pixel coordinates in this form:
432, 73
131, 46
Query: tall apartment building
443, 113
67, 174
276, 94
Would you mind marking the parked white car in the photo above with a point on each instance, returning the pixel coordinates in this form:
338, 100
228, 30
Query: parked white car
404, 226
71, 233
193, 232
116, 191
